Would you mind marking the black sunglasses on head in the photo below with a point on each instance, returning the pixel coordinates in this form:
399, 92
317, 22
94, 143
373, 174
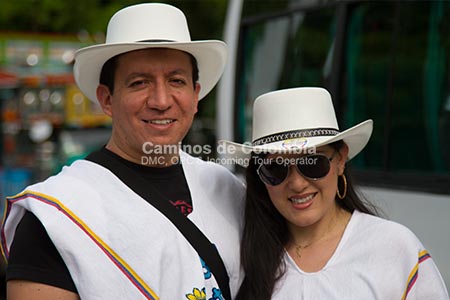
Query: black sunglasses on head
274, 171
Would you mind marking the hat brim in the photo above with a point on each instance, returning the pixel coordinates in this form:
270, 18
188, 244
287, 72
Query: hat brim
355, 137
211, 57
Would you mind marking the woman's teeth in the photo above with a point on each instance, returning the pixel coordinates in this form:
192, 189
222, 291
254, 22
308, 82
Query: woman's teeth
301, 200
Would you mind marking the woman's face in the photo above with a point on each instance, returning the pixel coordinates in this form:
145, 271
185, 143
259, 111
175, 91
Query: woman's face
305, 202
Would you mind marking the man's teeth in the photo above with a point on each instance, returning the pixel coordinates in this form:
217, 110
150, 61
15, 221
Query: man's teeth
161, 122
301, 200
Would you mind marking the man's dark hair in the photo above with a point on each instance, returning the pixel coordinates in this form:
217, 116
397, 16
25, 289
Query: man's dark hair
109, 70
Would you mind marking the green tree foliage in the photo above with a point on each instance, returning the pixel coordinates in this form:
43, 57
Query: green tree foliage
205, 17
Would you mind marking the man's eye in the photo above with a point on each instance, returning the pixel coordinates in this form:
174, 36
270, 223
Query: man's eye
138, 83
178, 81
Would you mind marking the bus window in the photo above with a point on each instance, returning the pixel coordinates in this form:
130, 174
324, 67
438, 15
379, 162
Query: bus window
397, 68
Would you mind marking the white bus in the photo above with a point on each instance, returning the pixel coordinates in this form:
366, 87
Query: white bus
384, 60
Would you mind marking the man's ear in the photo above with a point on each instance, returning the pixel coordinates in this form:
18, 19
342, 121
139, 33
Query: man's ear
104, 98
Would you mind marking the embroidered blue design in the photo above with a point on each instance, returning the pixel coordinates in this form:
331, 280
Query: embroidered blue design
206, 270
216, 294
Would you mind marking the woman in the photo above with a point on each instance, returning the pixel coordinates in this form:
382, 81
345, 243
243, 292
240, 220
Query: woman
308, 235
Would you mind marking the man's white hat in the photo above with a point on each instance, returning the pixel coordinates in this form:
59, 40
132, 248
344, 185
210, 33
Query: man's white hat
149, 25
296, 119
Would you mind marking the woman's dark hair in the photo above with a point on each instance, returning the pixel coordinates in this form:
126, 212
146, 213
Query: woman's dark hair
266, 235
109, 70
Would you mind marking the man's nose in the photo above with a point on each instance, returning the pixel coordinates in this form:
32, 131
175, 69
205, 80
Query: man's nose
159, 97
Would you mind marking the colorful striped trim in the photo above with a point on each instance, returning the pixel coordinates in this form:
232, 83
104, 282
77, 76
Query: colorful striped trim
114, 257
3, 248
423, 255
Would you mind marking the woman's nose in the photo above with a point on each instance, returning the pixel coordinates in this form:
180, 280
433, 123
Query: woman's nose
295, 179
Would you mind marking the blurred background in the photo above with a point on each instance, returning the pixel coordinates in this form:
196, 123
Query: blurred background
384, 60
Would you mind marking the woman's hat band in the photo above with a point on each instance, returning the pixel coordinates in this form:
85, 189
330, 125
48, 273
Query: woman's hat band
287, 135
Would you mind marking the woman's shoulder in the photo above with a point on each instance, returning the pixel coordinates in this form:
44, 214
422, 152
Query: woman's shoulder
380, 228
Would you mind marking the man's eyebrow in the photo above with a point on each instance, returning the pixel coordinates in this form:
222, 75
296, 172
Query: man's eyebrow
179, 72
137, 74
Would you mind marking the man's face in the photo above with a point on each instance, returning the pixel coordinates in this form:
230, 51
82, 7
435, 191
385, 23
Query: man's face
154, 100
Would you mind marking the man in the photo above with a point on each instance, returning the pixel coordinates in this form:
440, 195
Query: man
90, 233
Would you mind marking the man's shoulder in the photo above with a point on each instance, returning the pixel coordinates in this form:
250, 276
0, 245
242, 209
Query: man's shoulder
209, 164
80, 172
207, 171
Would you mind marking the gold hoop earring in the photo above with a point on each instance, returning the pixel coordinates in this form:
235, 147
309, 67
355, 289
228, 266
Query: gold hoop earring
342, 196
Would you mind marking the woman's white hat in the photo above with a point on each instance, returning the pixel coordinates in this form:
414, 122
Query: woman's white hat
295, 120
149, 25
